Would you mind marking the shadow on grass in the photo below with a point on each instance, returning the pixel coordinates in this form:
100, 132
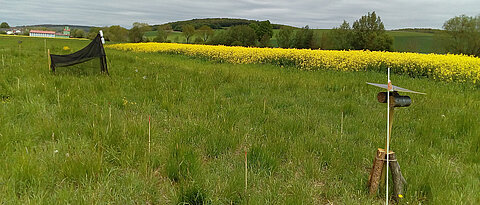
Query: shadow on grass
89, 68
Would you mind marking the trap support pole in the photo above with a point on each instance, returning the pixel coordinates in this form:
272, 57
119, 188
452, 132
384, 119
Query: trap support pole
377, 174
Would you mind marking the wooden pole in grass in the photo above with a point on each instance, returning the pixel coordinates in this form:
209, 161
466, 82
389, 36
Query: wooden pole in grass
58, 96
149, 142
49, 60
246, 171
109, 116
390, 123
341, 126
397, 177
264, 105
389, 126
3, 61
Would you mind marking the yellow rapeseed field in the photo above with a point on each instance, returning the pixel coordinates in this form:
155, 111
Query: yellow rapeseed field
449, 67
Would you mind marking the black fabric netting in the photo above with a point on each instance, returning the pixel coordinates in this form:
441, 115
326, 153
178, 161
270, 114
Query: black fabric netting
93, 50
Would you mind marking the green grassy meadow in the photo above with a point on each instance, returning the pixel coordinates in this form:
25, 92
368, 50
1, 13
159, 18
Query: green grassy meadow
82, 137
404, 41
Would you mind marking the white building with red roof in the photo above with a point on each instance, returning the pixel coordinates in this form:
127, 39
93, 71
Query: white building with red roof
38, 33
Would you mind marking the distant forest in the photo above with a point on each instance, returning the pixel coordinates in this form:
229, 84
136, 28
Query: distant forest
214, 23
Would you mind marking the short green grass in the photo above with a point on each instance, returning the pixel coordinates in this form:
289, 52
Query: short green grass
404, 41
81, 137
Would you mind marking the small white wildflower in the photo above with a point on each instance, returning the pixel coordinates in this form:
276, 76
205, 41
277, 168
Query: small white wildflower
443, 116
56, 151
136, 70
67, 155
145, 77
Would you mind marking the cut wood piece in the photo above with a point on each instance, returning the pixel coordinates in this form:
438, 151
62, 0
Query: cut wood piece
384, 171
397, 177
376, 172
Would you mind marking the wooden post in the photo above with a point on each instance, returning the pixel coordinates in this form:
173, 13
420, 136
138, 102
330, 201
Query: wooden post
264, 105
398, 179
390, 117
341, 125
109, 116
58, 98
49, 60
149, 142
376, 172
246, 171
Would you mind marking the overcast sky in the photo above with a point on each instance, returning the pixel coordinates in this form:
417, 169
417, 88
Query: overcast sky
315, 13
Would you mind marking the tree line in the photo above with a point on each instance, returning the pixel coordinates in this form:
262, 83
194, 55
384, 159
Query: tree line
460, 35
214, 23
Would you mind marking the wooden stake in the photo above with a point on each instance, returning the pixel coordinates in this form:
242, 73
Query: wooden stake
341, 125
398, 179
58, 97
376, 172
390, 117
387, 147
264, 105
149, 134
246, 172
3, 61
110, 115
49, 60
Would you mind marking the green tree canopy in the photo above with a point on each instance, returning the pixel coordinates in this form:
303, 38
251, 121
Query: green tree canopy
162, 33
263, 31
188, 31
304, 38
285, 37
4, 25
369, 33
205, 32
341, 37
242, 35
78, 33
463, 35
116, 33
136, 33
92, 33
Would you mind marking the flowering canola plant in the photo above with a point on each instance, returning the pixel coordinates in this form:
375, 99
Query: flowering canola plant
448, 67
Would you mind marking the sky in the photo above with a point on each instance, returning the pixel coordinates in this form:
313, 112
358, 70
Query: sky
326, 14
